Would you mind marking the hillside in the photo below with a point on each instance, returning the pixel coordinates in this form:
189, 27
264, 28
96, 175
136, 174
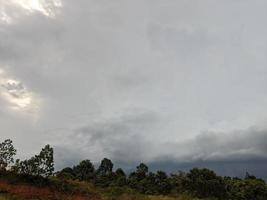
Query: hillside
77, 191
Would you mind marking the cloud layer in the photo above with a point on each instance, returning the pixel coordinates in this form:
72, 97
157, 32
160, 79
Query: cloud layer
135, 80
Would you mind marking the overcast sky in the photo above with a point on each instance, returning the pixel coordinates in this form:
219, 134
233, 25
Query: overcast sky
135, 80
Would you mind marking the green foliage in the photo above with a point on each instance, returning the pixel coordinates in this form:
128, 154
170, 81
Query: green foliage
14, 178
66, 173
84, 171
7, 153
148, 182
205, 183
177, 182
120, 178
4, 198
72, 186
46, 161
250, 188
38, 165
104, 174
163, 183
136, 179
105, 167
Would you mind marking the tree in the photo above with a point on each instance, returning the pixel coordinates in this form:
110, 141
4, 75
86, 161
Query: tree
120, 178
29, 167
104, 174
177, 181
148, 184
141, 171
85, 171
46, 161
38, 165
205, 183
162, 183
249, 176
66, 173
119, 172
105, 167
137, 178
251, 188
7, 153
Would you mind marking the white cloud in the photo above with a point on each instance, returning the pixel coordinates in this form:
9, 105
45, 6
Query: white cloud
17, 96
13, 10
46, 7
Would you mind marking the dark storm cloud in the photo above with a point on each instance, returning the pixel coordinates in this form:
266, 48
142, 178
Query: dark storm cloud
121, 138
217, 146
124, 144
257, 167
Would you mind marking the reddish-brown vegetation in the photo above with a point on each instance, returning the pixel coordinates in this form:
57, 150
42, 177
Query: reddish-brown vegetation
32, 192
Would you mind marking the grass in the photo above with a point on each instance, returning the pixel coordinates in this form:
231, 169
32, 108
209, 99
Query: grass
4, 198
70, 190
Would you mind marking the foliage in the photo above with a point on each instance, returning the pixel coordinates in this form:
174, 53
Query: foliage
84, 171
66, 174
177, 181
120, 178
7, 153
104, 174
105, 167
205, 183
39, 165
137, 178
148, 182
249, 188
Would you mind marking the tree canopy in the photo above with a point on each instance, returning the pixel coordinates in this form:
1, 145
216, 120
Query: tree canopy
7, 153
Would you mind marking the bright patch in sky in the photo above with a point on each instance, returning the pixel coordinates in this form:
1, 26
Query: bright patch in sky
4, 17
16, 94
44, 7
32, 5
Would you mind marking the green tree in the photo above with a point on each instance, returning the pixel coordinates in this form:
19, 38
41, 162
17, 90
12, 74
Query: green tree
7, 153
46, 161
162, 183
38, 165
141, 171
29, 166
205, 183
177, 181
148, 184
120, 178
104, 175
137, 179
85, 171
105, 167
66, 173
251, 188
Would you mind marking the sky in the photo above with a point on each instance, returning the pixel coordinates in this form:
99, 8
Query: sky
172, 83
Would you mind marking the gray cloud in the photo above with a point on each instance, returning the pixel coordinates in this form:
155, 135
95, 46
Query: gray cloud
111, 81
122, 138
217, 146
121, 142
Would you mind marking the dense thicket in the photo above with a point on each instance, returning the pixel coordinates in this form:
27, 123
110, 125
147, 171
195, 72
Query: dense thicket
201, 183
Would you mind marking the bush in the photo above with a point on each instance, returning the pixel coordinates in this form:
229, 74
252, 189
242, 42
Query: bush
204, 183
247, 189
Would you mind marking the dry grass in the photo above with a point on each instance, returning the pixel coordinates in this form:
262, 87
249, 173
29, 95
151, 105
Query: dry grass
28, 192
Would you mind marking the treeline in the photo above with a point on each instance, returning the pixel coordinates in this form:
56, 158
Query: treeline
201, 183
